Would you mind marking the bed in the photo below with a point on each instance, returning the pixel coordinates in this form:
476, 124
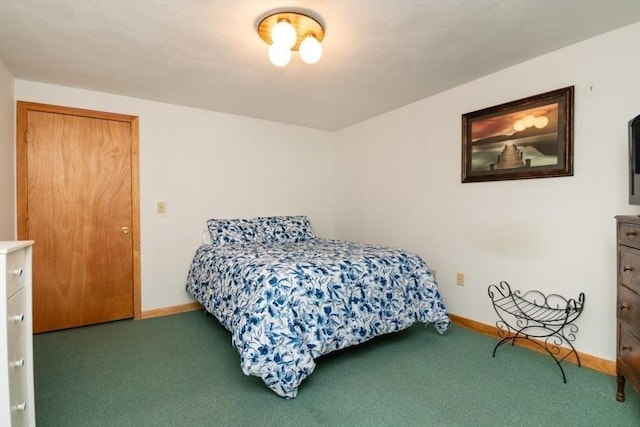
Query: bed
289, 297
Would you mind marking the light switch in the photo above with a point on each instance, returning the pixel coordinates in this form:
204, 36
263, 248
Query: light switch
161, 207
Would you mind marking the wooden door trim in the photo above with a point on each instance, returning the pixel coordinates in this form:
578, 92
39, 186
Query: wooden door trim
22, 111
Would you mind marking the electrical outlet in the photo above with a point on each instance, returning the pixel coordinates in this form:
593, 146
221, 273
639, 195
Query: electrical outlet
460, 279
161, 207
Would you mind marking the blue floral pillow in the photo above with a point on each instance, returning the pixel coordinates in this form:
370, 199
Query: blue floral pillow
286, 229
234, 231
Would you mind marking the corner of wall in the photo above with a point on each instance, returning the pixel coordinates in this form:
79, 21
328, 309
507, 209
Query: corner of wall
7, 154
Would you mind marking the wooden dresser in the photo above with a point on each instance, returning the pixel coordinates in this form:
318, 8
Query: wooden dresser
628, 306
16, 339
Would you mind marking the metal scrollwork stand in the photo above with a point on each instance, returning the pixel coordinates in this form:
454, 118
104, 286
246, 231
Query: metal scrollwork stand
546, 321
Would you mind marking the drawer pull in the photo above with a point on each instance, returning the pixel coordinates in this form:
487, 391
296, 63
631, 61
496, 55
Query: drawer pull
18, 317
624, 347
20, 406
17, 271
623, 307
630, 233
627, 268
17, 363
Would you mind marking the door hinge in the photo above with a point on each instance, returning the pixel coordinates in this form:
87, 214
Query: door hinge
27, 220
26, 136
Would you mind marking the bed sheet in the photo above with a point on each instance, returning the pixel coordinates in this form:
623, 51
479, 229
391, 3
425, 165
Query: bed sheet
288, 304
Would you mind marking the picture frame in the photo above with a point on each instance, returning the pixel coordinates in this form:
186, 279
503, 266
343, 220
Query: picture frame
528, 138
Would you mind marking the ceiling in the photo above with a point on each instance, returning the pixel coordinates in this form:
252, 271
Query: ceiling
378, 55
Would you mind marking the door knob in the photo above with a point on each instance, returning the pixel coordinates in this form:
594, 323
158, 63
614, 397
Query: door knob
125, 230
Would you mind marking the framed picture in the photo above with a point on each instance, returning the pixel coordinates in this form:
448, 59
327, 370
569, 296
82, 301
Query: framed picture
528, 138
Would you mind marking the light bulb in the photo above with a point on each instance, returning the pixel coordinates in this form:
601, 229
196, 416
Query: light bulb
283, 34
279, 55
310, 49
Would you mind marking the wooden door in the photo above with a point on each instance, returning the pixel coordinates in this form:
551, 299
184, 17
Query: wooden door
79, 209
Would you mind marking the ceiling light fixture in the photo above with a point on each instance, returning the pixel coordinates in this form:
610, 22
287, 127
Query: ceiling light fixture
291, 31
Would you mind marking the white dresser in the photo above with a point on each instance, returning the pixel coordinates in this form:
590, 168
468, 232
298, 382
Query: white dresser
17, 404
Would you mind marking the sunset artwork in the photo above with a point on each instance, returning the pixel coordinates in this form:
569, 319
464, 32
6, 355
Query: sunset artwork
528, 138
523, 139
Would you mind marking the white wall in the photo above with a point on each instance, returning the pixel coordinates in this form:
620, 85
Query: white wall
400, 184
204, 165
7, 155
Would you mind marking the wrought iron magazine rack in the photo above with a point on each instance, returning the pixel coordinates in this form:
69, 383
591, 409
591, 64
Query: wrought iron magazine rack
545, 320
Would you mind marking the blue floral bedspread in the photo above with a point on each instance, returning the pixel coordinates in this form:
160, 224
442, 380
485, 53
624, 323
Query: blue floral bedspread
287, 304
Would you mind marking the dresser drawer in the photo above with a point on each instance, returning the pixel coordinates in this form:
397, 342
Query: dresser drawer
629, 234
18, 365
16, 276
629, 268
628, 306
16, 316
629, 354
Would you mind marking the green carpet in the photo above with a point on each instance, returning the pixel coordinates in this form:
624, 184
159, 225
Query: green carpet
181, 370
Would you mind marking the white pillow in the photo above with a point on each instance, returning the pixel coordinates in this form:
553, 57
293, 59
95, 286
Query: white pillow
206, 237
